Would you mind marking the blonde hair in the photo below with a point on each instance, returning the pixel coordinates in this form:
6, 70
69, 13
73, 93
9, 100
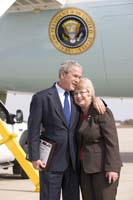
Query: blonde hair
87, 84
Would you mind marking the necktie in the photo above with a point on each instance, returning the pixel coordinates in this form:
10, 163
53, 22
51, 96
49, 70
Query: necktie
67, 109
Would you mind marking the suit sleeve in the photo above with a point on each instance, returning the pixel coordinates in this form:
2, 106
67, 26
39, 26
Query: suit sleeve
109, 134
34, 123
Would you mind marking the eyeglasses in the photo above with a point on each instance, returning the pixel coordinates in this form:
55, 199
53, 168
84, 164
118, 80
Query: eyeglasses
80, 92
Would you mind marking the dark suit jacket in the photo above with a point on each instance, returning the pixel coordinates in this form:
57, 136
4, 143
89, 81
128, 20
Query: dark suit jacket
97, 136
46, 109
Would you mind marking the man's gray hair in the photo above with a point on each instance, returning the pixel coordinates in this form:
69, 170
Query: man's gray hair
67, 66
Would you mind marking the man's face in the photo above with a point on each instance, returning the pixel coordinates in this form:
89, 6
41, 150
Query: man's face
70, 79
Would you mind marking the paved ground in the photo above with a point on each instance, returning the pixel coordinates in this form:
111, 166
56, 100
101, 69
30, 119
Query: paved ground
12, 187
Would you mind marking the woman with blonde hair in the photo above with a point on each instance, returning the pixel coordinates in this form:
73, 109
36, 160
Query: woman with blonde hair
99, 157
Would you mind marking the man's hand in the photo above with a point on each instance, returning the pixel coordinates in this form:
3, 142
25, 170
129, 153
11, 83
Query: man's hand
99, 105
112, 177
38, 165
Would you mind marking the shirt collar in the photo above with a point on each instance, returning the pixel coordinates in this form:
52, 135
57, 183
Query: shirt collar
59, 89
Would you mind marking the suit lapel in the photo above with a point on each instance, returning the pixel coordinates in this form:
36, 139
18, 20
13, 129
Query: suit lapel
53, 95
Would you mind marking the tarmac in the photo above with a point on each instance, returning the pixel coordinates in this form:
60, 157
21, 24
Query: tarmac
13, 187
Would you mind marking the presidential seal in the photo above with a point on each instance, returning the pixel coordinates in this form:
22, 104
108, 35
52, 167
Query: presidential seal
72, 31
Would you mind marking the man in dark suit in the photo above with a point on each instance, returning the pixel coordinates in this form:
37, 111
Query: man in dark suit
46, 110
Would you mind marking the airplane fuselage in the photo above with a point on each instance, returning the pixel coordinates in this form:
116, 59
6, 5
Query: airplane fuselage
30, 62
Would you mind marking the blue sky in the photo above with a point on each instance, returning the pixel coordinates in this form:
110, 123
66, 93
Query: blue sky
122, 108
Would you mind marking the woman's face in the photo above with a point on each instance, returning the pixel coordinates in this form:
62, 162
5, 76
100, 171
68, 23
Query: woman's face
83, 97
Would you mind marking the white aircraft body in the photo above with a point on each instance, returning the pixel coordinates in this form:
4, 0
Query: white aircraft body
29, 59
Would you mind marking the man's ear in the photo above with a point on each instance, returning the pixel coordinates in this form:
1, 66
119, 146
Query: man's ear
63, 74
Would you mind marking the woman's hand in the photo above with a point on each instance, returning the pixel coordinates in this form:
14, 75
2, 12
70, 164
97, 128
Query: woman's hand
112, 177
